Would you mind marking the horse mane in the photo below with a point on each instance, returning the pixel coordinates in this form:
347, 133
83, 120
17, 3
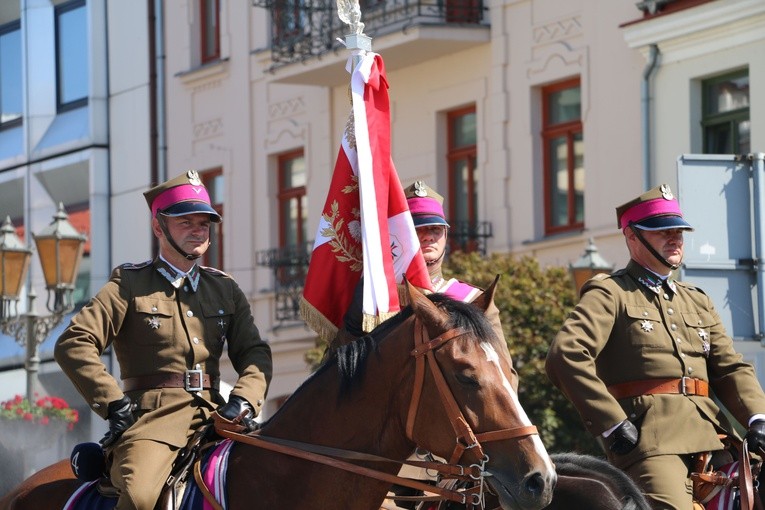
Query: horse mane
351, 358
588, 466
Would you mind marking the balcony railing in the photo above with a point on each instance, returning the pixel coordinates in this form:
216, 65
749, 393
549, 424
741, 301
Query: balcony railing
469, 236
289, 266
303, 29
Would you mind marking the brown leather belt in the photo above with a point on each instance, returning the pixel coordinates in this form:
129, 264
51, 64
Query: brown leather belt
190, 380
681, 386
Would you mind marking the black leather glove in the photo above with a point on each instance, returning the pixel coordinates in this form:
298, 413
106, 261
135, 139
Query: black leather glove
755, 437
120, 418
236, 407
624, 438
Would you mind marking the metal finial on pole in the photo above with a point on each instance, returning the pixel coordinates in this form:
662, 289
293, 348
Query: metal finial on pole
349, 13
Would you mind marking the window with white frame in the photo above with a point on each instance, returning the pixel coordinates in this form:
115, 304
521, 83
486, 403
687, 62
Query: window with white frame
725, 114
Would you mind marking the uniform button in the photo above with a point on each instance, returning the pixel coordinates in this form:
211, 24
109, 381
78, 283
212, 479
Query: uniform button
679, 340
682, 354
186, 288
633, 416
666, 296
699, 322
190, 314
195, 340
690, 370
260, 402
153, 308
96, 405
673, 327
220, 312
645, 314
670, 311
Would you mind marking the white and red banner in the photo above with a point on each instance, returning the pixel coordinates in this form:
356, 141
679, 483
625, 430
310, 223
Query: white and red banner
366, 226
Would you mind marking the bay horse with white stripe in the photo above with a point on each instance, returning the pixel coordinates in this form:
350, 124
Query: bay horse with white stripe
433, 377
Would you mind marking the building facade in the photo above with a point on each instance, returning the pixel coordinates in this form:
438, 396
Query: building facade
534, 118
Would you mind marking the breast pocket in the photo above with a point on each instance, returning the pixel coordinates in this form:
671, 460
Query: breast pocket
153, 322
698, 330
645, 328
217, 317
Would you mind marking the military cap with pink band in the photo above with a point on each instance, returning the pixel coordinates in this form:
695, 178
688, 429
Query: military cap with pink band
180, 196
425, 205
656, 209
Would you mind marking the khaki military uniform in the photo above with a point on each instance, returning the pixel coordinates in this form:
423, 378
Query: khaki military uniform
630, 327
159, 323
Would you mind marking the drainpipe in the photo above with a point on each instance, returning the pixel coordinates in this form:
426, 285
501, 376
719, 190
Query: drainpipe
645, 99
159, 29
157, 138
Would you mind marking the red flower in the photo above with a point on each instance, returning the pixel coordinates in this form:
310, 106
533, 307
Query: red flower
44, 420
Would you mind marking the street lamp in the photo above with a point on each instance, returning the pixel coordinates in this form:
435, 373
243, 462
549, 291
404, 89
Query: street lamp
60, 249
588, 265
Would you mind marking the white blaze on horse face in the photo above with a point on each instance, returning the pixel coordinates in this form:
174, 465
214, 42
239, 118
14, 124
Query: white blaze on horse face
493, 357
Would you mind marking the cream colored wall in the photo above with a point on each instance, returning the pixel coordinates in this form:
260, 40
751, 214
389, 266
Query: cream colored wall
238, 115
720, 37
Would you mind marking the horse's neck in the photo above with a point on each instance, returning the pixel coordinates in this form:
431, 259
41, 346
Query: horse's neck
370, 418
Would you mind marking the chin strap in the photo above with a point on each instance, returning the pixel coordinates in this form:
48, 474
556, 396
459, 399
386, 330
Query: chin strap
163, 226
651, 248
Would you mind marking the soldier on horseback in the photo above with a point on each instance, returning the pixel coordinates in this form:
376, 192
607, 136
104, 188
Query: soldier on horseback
167, 320
642, 354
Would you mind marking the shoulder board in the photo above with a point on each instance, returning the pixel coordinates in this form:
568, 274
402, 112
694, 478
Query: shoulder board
213, 270
689, 286
139, 265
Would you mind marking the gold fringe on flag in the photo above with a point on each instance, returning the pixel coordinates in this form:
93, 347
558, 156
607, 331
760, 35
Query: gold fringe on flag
317, 322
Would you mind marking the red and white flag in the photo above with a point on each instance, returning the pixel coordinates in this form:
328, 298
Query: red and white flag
366, 226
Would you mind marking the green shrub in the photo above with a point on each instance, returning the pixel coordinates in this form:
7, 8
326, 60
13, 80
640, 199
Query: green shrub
533, 303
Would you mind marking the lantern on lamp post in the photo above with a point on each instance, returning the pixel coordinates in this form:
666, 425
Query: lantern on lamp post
14, 263
60, 248
588, 265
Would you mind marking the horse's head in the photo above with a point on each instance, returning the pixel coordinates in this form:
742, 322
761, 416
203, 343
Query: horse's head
464, 407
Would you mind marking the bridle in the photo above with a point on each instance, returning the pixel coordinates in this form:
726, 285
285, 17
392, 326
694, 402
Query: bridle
423, 353
465, 439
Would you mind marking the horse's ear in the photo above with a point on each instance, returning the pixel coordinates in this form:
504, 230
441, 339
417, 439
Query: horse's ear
424, 307
484, 300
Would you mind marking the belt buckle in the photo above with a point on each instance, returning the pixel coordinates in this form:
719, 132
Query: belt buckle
684, 386
187, 380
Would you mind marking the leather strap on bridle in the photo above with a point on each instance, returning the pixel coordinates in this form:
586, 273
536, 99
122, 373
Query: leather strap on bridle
466, 440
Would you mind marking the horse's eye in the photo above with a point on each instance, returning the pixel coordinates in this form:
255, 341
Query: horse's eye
467, 380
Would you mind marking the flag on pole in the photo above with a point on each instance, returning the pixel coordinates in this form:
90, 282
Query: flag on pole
365, 227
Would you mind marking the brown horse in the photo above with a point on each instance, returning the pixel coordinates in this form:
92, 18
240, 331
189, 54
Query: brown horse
381, 395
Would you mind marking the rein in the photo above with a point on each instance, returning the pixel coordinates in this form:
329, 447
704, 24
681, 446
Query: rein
466, 440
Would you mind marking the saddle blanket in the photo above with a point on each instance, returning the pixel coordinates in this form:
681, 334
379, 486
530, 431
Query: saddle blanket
214, 465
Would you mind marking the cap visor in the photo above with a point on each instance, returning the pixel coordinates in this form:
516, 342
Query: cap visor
663, 223
426, 221
184, 208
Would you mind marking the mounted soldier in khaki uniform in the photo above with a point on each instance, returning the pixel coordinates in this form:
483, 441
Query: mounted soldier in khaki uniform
168, 321
642, 354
